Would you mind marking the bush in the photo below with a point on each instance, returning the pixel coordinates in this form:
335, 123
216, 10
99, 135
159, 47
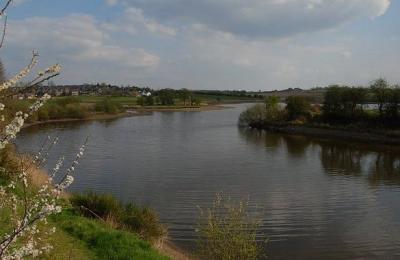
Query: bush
107, 106
140, 220
103, 205
227, 232
297, 106
143, 221
254, 116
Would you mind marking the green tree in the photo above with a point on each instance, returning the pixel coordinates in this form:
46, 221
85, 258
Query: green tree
297, 106
271, 102
380, 88
393, 102
167, 97
185, 95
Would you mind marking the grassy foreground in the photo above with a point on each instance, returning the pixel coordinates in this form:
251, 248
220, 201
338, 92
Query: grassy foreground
82, 238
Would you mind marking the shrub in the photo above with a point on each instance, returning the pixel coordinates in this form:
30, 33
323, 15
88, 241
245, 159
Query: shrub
140, 220
297, 106
143, 221
227, 232
102, 205
107, 106
254, 116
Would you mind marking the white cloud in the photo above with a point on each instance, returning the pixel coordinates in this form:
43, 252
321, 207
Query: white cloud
262, 18
133, 20
77, 37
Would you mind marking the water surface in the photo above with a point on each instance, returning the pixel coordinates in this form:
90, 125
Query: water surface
318, 199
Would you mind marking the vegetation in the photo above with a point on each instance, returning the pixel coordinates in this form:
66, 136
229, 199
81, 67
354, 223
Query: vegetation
296, 107
226, 231
350, 107
140, 220
104, 241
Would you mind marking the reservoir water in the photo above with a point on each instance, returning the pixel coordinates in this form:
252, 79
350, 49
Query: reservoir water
319, 199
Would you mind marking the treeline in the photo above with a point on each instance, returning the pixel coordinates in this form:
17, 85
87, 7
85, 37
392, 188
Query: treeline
61, 108
169, 97
351, 103
377, 105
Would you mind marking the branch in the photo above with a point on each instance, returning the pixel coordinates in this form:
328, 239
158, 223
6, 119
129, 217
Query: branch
5, 7
4, 32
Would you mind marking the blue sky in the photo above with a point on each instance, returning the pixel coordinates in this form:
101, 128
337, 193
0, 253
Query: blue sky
208, 44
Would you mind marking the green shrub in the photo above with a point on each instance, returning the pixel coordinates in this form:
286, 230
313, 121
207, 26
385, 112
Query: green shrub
107, 106
227, 232
253, 116
141, 220
103, 205
297, 106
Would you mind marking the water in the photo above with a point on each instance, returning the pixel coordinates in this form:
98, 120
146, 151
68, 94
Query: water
318, 199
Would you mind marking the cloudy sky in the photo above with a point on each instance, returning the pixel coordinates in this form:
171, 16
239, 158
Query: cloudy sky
209, 44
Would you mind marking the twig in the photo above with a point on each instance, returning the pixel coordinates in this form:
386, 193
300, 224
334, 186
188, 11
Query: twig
4, 32
5, 7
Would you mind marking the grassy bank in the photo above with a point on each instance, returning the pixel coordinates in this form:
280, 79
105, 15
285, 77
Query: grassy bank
111, 230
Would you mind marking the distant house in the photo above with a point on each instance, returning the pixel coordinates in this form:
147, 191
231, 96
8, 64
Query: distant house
145, 94
75, 93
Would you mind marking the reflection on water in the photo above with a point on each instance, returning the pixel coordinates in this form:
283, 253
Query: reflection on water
320, 199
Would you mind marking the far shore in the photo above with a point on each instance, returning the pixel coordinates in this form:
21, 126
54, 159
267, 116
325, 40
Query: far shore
137, 111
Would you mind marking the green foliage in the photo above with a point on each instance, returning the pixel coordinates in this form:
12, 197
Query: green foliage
271, 103
226, 231
105, 242
393, 102
253, 116
380, 89
141, 220
185, 95
107, 106
343, 103
103, 205
297, 106
166, 97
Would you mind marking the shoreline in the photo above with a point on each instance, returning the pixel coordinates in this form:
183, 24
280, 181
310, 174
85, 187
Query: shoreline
128, 113
344, 135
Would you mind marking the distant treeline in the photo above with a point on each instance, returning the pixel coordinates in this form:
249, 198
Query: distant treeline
377, 105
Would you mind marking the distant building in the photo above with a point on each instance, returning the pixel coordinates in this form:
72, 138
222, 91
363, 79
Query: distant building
145, 94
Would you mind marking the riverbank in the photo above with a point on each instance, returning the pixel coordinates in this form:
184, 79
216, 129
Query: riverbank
370, 136
133, 111
82, 237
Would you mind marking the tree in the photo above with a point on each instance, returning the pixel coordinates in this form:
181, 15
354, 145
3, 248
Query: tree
167, 97
380, 89
185, 95
271, 102
297, 106
393, 102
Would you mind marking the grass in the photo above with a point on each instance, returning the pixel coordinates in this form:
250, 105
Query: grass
140, 220
99, 241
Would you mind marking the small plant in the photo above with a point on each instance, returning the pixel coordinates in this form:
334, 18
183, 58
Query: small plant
226, 231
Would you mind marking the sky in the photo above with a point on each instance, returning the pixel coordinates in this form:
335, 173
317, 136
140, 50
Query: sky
208, 44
